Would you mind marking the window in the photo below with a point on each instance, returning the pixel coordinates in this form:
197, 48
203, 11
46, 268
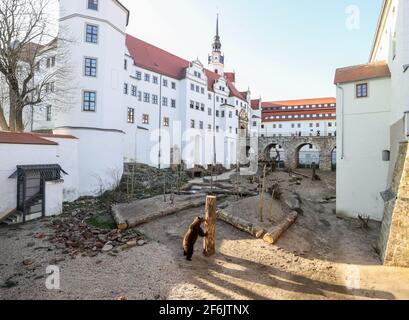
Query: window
222, 113
89, 101
217, 98
164, 101
362, 90
201, 125
145, 118
155, 79
133, 91
317, 125
217, 128
125, 88
125, 64
138, 75
192, 87
237, 113
139, 95
173, 103
146, 97
230, 114
192, 104
90, 67
230, 130
209, 127
165, 82
166, 122
254, 123
50, 62
209, 96
48, 113
311, 125
147, 77
155, 99
174, 85
93, 4
202, 107
217, 113
192, 124
299, 125
280, 126
329, 124
209, 111
293, 125
262, 126
197, 89
131, 115
202, 90
92, 34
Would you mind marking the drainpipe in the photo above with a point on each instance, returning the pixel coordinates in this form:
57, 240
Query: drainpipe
160, 119
214, 129
342, 120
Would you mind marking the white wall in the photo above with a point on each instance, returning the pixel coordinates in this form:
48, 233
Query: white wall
54, 197
12, 155
100, 154
363, 135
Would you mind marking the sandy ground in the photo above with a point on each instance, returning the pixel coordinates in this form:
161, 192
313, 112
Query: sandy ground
320, 257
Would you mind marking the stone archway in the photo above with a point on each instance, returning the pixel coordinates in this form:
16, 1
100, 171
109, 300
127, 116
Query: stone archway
306, 154
275, 151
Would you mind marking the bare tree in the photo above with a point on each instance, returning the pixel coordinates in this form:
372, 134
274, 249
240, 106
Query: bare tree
31, 71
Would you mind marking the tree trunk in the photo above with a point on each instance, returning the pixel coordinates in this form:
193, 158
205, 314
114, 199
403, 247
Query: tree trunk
3, 121
19, 120
275, 233
209, 242
12, 111
240, 224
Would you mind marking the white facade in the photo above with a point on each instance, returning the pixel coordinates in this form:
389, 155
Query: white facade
123, 110
372, 125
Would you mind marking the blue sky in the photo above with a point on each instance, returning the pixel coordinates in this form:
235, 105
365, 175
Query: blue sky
281, 49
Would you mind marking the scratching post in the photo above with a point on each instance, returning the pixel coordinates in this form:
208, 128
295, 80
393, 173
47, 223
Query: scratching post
209, 242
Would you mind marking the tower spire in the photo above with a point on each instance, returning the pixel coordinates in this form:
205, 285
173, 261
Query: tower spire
216, 58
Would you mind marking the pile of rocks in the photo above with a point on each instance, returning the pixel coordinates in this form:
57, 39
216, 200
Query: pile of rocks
76, 237
144, 181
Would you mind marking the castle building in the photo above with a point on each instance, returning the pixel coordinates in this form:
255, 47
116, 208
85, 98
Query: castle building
133, 101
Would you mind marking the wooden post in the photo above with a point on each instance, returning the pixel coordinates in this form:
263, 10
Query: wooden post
261, 203
209, 242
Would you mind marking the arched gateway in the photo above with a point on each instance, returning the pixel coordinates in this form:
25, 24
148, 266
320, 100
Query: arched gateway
292, 146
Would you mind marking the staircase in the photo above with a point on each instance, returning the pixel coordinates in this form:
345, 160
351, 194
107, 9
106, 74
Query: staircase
13, 217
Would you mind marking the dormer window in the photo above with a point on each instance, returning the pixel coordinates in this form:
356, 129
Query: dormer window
93, 5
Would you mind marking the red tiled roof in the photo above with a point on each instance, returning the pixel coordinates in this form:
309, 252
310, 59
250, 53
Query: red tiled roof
23, 138
231, 76
362, 72
160, 61
255, 104
302, 102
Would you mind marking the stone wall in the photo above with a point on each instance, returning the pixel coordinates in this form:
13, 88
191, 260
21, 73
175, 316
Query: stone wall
291, 145
394, 238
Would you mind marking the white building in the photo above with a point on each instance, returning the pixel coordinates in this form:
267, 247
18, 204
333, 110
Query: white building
133, 101
305, 117
372, 101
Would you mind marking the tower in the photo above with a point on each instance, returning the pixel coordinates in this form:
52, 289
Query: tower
216, 58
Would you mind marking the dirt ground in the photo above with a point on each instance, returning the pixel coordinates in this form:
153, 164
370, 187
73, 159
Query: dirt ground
319, 257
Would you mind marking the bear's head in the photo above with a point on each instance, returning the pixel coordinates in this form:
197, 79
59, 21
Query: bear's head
198, 221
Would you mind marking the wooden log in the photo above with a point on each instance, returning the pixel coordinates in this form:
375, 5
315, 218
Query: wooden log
209, 242
275, 233
120, 221
241, 224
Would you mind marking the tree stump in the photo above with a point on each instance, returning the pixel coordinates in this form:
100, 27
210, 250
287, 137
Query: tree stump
209, 242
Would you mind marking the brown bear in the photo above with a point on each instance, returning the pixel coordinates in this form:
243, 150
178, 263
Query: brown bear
191, 236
